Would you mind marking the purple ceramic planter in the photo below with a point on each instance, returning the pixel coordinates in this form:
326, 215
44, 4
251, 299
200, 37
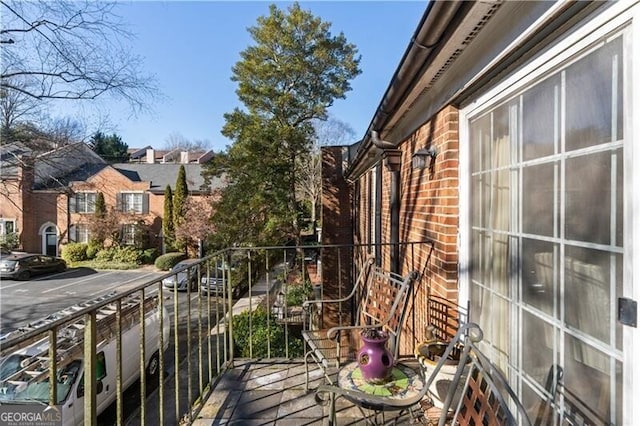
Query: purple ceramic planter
376, 361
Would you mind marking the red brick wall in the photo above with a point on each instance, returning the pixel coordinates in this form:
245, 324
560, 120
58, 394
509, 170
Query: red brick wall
428, 211
336, 229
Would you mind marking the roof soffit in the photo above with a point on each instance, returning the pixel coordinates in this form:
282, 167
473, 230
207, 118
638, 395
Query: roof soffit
504, 44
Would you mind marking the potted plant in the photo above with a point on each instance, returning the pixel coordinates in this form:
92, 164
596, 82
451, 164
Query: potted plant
374, 359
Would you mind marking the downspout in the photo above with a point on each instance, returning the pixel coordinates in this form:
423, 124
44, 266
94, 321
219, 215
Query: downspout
429, 34
392, 160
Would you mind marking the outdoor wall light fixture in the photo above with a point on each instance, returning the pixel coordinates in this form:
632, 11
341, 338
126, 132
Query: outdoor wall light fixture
423, 158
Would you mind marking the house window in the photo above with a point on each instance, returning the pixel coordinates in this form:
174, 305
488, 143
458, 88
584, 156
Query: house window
129, 234
8, 235
546, 228
82, 233
85, 202
7, 226
131, 202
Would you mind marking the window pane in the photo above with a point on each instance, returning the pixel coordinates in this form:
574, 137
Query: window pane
539, 114
500, 147
540, 274
480, 131
538, 347
588, 198
590, 95
586, 374
587, 291
538, 194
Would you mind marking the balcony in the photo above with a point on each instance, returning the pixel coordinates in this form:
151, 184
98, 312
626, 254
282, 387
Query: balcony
228, 370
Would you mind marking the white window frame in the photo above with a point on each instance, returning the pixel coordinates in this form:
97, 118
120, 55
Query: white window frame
83, 235
85, 205
3, 226
129, 204
129, 234
619, 18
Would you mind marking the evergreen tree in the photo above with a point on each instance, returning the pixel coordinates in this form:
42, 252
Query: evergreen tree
111, 148
179, 200
100, 207
167, 220
287, 79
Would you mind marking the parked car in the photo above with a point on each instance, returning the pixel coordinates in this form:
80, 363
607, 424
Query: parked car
23, 266
214, 285
179, 281
216, 280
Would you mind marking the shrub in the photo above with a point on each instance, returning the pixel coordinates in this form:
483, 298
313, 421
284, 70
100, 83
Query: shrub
298, 293
128, 254
149, 256
74, 252
168, 260
93, 248
106, 254
263, 329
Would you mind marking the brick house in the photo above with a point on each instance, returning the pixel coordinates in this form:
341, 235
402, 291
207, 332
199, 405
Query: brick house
505, 137
48, 199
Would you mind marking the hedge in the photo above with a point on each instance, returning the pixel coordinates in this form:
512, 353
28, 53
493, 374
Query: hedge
169, 260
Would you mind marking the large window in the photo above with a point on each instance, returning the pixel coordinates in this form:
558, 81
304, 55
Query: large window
82, 233
85, 202
131, 202
129, 231
546, 228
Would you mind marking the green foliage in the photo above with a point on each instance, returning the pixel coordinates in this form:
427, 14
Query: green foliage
100, 206
149, 256
287, 79
9, 240
298, 293
296, 68
93, 248
111, 148
169, 260
74, 252
259, 330
179, 200
126, 254
168, 230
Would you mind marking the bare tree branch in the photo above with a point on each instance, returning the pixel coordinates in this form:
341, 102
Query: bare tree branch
70, 50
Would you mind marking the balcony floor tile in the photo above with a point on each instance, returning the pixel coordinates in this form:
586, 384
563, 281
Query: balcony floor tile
272, 393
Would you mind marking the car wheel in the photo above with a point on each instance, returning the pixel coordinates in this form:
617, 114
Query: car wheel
24, 275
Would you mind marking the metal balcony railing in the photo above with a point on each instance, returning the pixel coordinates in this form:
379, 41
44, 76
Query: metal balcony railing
167, 347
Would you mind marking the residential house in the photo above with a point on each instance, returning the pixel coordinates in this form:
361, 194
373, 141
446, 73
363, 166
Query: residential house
506, 138
49, 199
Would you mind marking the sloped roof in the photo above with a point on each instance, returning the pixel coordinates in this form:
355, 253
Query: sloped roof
161, 175
10, 158
80, 174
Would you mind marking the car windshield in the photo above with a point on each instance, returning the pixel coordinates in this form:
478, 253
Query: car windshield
16, 389
180, 265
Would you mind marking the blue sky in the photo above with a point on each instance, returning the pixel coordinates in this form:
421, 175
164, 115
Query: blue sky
190, 47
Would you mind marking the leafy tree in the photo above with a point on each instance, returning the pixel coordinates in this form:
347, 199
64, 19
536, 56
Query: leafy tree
167, 220
111, 148
179, 200
289, 77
